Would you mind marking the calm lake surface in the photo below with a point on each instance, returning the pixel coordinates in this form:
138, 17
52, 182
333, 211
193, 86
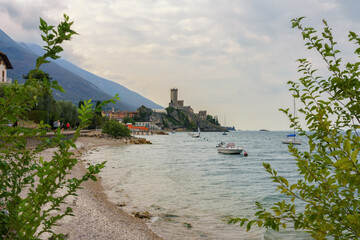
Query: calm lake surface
189, 188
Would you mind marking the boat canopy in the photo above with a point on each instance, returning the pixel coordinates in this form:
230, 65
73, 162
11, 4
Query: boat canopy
291, 135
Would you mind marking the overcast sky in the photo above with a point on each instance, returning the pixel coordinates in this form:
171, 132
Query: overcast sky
229, 57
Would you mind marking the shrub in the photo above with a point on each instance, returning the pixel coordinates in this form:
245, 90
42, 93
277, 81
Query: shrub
116, 129
30, 203
329, 169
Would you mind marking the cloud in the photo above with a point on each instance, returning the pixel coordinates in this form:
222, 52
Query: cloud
27, 13
225, 56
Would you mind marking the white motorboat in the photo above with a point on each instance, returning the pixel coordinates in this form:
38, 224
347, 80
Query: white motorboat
230, 148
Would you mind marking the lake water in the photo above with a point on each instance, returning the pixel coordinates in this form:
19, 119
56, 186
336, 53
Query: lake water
189, 188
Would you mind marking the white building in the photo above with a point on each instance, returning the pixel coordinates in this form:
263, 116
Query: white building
147, 125
4, 65
142, 124
163, 110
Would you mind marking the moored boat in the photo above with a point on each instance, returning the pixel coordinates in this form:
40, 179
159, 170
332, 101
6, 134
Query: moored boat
291, 140
196, 135
230, 148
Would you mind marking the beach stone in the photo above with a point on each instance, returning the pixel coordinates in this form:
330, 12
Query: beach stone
143, 215
122, 204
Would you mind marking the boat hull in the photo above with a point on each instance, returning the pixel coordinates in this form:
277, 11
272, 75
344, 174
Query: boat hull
293, 142
230, 150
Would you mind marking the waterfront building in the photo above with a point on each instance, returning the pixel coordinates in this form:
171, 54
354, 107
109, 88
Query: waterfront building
118, 115
5, 64
148, 125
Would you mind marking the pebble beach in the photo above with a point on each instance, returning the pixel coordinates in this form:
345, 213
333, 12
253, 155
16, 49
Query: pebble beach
95, 216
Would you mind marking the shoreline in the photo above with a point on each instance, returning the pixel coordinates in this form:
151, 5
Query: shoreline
95, 216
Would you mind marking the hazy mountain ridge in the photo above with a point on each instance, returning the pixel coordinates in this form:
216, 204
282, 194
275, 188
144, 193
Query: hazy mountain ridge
78, 83
132, 98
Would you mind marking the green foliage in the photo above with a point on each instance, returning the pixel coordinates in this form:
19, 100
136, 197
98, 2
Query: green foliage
97, 120
183, 116
30, 199
128, 120
39, 75
330, 170
166, 124
116, 129
172, 120
192, 126
37, 116
213, 120
179, 117
169, 110
68, 113
47, 108
81, 102
143, 114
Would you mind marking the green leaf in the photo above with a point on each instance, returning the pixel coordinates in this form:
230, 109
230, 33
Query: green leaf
248, 226
347, 147
293, 186
354, 156
341, 162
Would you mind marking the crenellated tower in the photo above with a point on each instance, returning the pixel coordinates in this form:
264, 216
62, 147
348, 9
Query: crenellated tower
174, 96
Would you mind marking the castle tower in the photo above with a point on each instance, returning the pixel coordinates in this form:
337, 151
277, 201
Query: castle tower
174, 96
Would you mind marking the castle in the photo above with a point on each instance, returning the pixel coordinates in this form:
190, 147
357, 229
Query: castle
179, 104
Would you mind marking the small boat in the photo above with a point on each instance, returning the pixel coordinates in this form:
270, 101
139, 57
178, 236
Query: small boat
224, 133
230, 149
291, 139
196, 135
220, 144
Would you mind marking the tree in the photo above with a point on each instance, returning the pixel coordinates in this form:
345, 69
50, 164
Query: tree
29, 198
128, 120
116, 129
45, 100
96, 121
68, 113
143, 114
212, 120
329, 170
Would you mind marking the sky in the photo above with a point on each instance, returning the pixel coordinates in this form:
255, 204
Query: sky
232, 58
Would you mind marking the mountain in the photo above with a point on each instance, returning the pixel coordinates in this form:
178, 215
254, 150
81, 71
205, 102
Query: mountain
77, 83
133, 99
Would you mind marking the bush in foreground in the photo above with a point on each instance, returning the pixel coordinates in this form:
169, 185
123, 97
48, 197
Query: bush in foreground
30, 200
329, 169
